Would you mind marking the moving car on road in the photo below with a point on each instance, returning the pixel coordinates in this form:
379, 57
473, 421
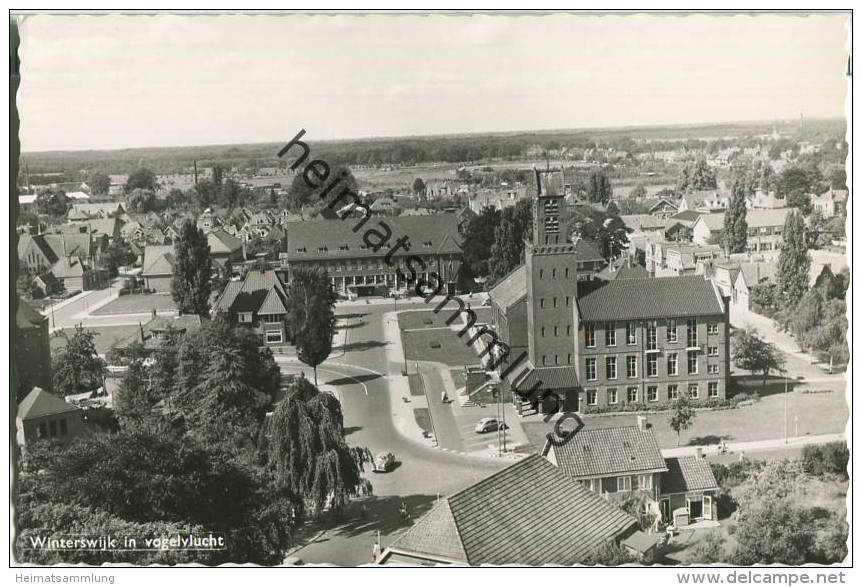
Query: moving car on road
489, 425
384, 462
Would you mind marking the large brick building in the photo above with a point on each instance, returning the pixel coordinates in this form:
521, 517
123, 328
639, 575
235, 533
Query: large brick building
651, 340
368, 256
602, 344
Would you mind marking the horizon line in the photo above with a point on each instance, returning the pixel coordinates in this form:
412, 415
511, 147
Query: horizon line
444, 135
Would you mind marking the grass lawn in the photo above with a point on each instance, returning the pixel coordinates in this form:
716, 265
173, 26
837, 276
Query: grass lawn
423, 418
824, 412
137, 304
106, 337
415, 382
424, 319
440, 345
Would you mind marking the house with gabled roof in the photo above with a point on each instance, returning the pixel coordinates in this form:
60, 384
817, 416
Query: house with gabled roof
225, 247
627, 459
158, 267
258, 301
44, 416
529, 513
508, 300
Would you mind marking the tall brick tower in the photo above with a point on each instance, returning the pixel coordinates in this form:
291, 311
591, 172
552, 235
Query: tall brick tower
551, 277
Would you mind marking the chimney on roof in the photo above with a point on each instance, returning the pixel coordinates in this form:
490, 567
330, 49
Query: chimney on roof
141, 329
699, 453
642, 423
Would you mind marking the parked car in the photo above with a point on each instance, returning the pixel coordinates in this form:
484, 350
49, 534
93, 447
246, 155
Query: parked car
489, 425
384, 462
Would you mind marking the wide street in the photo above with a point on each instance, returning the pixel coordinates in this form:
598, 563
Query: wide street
422, 472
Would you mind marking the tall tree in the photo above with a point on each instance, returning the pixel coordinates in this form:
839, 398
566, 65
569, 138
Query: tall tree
135, 399
479, 238
697, 176
599, 188
191, 286
303, 446
418, 186
509, 238
311, 315
793, 261
78, 367
735, 233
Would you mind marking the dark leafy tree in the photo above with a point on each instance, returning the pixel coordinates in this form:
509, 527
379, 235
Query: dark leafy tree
304, 448
697, 176
53, 204
599, 188
311, 315
479, 238
77, 367
735, 232
135, 399
793, 180
300, 194
117, 254
638, 192
100, 184
754, 354
418, 186
711, 549
148, 482
218, 174
773, 532
793, 261
192, 271
143, 179
509, 237
224, 383
140, 200
837, 178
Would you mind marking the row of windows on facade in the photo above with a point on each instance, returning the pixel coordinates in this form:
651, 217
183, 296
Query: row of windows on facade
50, 429
671, 336
652, 393
624, 483
324, 248
566, 273
651, 365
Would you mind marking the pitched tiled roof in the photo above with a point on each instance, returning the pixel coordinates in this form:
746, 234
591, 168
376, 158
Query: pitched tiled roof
66, 244
95, 209
511, 289
587, 250
761, 218
434, 534
642, 221
68, 267
253, 294
660, 297
158, 260
530, 513
222, 242
714, 221
687, 474
550, 377
598, 452
41, 403
327, 239
686, 216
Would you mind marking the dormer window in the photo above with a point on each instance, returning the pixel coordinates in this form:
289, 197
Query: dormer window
343, 248
300, 250
322, 249
426, 244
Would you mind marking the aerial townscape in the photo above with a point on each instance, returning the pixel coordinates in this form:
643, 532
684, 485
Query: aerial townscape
595, 347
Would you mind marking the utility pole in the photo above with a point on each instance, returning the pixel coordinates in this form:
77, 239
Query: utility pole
196, 174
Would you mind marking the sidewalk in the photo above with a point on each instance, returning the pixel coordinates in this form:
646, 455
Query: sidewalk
754, 445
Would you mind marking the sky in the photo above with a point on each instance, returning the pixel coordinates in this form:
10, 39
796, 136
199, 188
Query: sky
107, 82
